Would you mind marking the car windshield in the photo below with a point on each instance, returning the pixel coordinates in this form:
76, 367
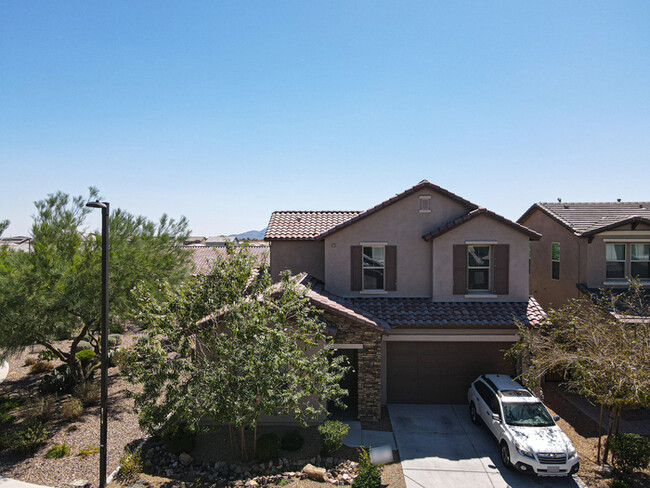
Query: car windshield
527, 415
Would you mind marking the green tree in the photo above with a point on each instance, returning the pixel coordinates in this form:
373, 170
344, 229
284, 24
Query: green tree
3, 226
54, 292
600, 343
229, 346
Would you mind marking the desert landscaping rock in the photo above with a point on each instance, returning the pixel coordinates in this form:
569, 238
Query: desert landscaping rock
314, 473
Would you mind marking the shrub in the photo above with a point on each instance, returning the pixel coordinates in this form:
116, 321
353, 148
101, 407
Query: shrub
84, 346
630, 452
368, 475
46, 355
89, 393
114, 340
179, 437
72, 409
41, 409
130, 465
58, 381
7, 405
29, 360
41, 367
116, 358
88, 451
115, 328
85, 356
292, 441
58, 451
618, 484
332, 433
27, 438
268, 446
6, 419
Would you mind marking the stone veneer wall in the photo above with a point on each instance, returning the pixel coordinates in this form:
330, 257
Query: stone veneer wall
369, 363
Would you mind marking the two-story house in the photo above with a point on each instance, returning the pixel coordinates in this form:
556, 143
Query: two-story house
421, 292
587, 247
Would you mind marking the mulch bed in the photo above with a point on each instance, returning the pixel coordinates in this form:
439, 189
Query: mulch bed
83, 433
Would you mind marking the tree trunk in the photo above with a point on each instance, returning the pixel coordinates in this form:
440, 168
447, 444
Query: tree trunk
618, 417
610, 426
600, 432
232, 444
243, 443
255, 440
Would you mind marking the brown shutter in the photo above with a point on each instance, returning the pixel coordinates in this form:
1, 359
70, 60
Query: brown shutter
355, 268
391, 268
501, 268
460, 269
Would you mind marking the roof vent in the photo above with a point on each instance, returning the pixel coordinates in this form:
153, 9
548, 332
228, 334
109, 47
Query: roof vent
618, 200
559, 199
566, 206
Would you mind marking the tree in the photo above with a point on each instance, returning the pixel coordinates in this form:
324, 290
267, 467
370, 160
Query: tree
54, 292
230, 347
3, 226
600, 343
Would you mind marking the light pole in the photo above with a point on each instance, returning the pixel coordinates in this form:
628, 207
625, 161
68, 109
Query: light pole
103, 429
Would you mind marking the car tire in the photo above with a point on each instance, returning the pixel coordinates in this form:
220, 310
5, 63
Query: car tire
473, 415
505, 455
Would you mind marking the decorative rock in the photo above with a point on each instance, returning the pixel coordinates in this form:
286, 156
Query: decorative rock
185, 459
314, 473
79, 483
605, 470
251, 483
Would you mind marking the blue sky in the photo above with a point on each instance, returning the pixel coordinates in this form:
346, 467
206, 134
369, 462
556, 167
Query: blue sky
226, 111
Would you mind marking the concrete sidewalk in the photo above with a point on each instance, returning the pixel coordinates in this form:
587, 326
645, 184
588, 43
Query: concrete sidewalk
9, 483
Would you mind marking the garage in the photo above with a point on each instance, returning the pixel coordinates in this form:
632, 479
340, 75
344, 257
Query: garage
440, 372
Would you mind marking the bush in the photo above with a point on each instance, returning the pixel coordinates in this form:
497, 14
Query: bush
46, 355
6, 419
27, 438
130, 465
618, 484
29, 360
7, 405
72, 409
58, 451
89, 393
41, 409
268, 447
332, 433
114, 340
41, 367
292, 441
88, 451
85, 356
84, 346
179, 437
58, 381
115, 328
368, 475
630, 452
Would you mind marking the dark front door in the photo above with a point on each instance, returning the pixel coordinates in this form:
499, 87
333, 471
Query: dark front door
440, 372
350, 383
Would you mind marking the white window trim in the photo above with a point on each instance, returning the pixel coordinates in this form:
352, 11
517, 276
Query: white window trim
378, 291
626, 241
480, 294
347, 346
481, 243
452, 338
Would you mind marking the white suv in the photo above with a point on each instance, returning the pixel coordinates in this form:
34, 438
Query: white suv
529, 439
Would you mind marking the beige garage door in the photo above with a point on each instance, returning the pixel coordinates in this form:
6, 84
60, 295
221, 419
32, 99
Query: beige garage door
440, 372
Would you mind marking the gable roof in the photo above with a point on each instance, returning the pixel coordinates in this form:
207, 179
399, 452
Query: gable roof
203, 257
423, 184
589, 218
304, 225
472, 215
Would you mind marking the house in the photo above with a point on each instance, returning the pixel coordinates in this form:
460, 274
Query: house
195, 241
221, 241
421, 292
586, 247
203, 258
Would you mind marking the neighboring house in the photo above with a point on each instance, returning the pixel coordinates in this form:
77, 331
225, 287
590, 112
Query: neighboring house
421, 292
203, 257
195, 241
221, 241
17, 243
587, 247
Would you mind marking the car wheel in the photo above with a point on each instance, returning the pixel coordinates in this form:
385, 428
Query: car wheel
505, 455
472, 413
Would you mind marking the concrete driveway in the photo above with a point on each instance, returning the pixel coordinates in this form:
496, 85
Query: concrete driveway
439, 446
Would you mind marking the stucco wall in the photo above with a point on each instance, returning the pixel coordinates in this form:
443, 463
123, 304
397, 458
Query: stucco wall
552, 293
298, 257
402, 225
481, 228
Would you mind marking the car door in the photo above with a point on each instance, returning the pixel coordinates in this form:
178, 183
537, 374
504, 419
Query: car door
483, 407
495, 425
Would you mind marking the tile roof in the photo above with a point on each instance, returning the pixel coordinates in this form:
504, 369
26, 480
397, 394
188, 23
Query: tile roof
587, 218
475, 213
204, 257
304, 225
399, 196
425, 313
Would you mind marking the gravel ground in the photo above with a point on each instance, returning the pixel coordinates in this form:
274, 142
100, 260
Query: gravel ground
122, 429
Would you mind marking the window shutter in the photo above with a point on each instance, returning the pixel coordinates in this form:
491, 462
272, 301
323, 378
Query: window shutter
355, 268
460, 269
501, 268
391, 268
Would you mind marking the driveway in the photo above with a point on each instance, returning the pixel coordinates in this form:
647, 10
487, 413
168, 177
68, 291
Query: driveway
439, 446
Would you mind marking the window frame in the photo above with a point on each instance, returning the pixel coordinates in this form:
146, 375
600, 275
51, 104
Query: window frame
364, 268
624, 261
555, 270
488, 267
639, 260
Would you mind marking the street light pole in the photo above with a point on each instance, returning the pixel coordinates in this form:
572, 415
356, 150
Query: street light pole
103, 430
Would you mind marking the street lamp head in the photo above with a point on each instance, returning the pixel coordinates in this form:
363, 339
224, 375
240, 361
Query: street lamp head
96, 204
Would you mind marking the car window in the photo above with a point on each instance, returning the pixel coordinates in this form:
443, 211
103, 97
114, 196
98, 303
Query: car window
527, 415
495, 404
484, 391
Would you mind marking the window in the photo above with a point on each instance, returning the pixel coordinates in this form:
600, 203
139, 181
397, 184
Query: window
425, 204
374, 267
478, 268
555, 260
615, 261
640, 261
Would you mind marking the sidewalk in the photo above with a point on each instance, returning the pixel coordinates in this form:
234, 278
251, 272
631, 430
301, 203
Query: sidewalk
9, 483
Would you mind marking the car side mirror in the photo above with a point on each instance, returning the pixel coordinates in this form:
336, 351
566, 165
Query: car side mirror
496, 416
556, 418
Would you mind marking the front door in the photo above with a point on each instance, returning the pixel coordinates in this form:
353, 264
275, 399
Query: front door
349, 382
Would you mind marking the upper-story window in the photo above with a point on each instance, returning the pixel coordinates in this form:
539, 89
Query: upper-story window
615, 261
374, 267
640, 261
555, 260
425, 203
478, 268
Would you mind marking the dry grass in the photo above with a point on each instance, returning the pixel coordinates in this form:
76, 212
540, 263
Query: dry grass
40, 367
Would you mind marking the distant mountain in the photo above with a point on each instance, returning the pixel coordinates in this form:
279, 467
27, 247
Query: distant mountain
254, 235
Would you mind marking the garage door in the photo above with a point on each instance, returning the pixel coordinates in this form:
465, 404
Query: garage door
440, 372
